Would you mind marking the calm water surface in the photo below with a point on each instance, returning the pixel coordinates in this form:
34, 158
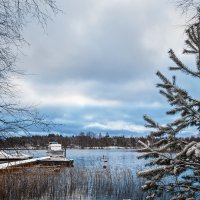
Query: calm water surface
94, 158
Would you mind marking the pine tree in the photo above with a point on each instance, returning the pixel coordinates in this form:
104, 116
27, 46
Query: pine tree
176, 173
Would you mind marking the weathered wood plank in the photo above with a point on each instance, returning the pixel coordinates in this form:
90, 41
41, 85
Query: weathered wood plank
21, 162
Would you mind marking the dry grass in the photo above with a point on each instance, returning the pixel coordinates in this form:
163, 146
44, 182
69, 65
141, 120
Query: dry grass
42, 183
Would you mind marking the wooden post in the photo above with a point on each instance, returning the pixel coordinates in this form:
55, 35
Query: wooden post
65, 153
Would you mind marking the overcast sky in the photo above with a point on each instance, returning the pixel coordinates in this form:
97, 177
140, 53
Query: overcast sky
93, 67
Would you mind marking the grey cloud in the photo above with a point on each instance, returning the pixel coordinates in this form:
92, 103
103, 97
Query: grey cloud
103, 46
106, 50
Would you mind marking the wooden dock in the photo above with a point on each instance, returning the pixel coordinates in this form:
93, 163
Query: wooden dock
62, 162
43, 160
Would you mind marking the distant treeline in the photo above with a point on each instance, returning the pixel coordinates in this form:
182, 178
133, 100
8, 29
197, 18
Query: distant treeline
82, 140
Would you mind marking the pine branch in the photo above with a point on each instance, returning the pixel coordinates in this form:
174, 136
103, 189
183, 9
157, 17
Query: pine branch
183, 68
187, 156
150, 121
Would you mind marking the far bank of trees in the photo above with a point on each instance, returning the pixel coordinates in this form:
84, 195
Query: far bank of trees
83, 140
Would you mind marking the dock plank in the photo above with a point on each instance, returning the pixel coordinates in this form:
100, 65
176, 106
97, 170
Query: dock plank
21, 162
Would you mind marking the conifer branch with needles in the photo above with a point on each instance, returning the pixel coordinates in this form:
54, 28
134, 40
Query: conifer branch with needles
170, 157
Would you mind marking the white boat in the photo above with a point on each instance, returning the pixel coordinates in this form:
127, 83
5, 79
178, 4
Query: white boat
16, 156
55, 150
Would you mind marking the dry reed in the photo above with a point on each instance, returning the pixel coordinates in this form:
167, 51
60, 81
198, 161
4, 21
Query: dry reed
50, 183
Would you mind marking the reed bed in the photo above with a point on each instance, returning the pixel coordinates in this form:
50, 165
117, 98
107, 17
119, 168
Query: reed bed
50, 183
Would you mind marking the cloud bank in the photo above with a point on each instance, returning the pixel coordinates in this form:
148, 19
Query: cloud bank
94, 65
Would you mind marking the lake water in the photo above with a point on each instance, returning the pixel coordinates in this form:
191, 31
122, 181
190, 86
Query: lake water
98, 174
114, 157
95, 158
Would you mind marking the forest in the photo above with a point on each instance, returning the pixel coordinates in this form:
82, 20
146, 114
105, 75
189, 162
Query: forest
83, 140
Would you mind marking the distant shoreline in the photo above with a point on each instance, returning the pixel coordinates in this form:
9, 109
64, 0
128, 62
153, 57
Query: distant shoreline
131, 149
88, 148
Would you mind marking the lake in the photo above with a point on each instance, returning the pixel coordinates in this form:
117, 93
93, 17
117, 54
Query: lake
98, 174
94, 158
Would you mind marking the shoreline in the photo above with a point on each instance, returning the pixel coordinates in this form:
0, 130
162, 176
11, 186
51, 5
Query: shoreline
45, 148
131, 149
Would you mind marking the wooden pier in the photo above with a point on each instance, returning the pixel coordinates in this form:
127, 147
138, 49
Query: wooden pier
56, 157
43, 161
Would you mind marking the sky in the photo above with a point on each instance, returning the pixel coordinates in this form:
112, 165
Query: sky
92, 68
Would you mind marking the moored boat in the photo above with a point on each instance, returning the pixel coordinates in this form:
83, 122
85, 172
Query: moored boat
55, 150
